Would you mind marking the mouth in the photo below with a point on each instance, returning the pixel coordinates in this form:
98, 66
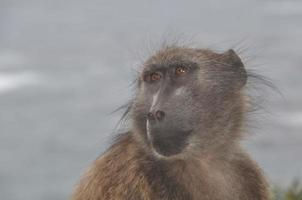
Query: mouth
168, 142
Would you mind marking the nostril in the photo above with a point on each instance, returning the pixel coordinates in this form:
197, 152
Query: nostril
159, 115
150, 116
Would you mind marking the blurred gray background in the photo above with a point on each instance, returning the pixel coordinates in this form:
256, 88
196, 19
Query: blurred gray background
65, 65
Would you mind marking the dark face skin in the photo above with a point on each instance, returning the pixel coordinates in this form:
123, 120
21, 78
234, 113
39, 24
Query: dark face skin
179, 99
170, 120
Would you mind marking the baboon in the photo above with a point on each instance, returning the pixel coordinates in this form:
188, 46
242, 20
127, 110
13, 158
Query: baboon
187, 119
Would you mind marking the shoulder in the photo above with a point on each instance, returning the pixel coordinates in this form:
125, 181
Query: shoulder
115, 174
121, 145
250, 177
123, 154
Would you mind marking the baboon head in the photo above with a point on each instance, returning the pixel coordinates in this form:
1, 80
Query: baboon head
189, 99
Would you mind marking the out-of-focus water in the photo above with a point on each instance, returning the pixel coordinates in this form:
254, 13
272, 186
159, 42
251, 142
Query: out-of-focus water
65, 65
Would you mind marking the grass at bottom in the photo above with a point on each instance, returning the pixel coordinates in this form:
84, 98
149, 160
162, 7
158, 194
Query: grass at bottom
293, 192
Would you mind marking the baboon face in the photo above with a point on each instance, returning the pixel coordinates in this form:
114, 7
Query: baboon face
188, 96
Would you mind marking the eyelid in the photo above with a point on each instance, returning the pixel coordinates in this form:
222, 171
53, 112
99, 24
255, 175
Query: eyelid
188, 67
183, 67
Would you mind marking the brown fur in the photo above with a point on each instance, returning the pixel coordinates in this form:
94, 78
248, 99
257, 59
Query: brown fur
129, 170
126, 172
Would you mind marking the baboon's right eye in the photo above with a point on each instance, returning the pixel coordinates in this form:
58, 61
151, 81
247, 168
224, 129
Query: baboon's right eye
152, 77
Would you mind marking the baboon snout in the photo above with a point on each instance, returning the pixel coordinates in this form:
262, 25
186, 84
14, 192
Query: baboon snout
157, 115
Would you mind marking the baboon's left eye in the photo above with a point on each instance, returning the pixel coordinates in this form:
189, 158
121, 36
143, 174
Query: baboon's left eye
153, 77
180, 71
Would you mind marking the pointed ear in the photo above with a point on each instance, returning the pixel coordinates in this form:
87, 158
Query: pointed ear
235, 67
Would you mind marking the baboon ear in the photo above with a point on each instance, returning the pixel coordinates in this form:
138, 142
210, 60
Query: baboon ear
235, 67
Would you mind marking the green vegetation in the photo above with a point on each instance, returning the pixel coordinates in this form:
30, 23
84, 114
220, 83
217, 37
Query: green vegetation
294, 192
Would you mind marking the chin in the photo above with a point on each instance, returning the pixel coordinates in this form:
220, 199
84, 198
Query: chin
169, 144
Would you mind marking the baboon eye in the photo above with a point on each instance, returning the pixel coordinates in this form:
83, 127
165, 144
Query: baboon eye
180, 71
152, 77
